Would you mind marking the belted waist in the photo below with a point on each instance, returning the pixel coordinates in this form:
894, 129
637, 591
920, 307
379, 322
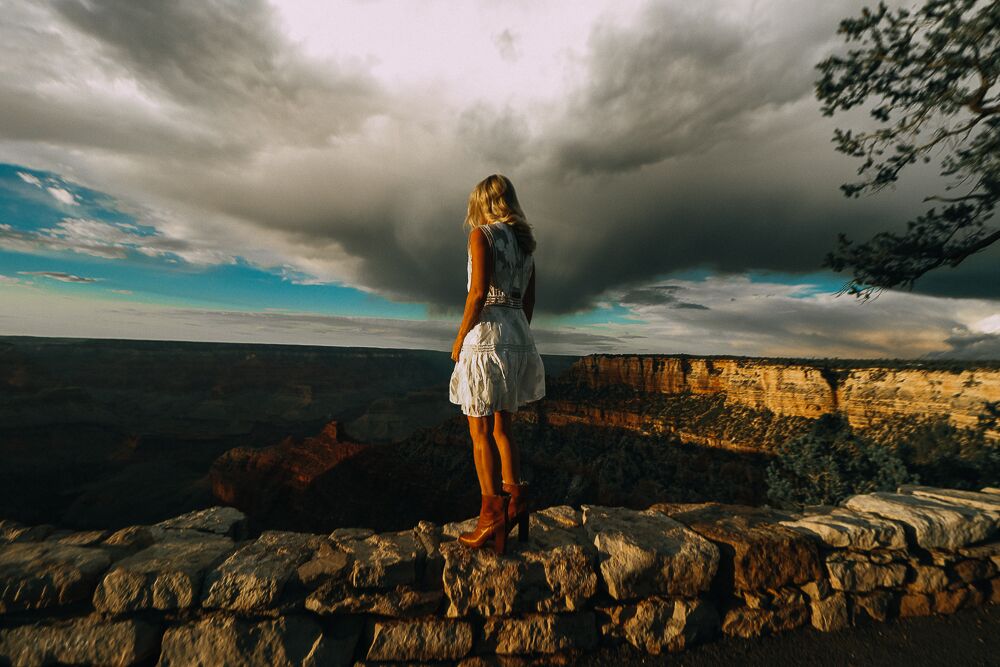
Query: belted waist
494, 299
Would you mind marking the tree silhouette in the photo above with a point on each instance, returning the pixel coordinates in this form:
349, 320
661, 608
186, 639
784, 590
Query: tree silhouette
931, 74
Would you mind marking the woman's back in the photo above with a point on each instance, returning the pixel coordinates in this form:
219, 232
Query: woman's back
499, 367
512, 267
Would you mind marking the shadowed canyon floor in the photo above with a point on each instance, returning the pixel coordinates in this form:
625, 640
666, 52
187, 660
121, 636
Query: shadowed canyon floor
105, 434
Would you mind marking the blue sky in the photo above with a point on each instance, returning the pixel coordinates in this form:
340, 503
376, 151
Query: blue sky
37, 202
288, 171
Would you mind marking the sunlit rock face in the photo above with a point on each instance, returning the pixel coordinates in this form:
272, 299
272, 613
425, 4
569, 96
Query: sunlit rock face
793, 389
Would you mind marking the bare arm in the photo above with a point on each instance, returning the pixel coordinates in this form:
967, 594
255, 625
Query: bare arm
480, 287
529, 296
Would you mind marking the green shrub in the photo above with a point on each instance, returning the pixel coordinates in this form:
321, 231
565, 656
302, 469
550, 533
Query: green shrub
829, 463
943, 454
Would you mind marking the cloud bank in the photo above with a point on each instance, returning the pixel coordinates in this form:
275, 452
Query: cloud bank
645, 139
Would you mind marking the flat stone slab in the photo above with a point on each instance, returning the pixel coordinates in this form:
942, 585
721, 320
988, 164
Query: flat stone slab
83, 538
989, 551
830, 613
930, 523
339, 597
981, 501
844, 529
431, 535
218, 520
34, 575
253, 578
757, 552
927, 579
90, 640
991, 490
384, 560
133, 539
10, 529
539, 633
167, 575
659, 624
328, 563
644, 553
340, 534
555, 570
13, 531
861, 576
222, 639
747, 622
428, 638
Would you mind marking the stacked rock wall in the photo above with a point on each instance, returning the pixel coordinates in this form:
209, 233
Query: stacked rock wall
198, 590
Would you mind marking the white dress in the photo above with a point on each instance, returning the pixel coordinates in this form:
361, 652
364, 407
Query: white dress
498, 367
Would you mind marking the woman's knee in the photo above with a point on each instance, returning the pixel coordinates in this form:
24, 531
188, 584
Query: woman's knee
501, 425
479, 427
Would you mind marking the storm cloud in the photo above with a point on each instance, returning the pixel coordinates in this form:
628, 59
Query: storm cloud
680, 135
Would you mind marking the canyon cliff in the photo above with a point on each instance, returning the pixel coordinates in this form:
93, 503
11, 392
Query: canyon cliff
864, 393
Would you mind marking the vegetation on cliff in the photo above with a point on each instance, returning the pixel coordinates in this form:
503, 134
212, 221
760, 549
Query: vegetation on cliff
833, 460
830, 463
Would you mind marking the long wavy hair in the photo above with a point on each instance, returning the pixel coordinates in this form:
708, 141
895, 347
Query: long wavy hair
494, 200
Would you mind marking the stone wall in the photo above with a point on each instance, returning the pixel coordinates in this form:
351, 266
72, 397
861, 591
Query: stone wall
197, 589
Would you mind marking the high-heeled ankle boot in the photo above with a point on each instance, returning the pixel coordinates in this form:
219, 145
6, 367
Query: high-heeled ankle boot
519, 508
492, 522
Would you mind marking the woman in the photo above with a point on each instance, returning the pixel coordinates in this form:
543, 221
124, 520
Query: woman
497, 366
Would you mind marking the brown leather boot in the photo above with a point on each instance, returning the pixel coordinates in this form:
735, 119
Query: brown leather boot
492, 522
518, 509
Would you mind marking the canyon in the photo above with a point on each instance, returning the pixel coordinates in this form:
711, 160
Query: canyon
106, 433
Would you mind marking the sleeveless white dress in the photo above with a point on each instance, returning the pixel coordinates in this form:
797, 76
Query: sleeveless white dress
498, 367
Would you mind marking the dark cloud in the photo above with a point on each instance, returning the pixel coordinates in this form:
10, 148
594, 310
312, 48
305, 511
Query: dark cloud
692, 140
685, 76
970, 345
226, 58
658, 294
500, 136
61, 276
977, 277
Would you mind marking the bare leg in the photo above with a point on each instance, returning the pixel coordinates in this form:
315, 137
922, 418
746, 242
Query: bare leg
484, 453
510, 453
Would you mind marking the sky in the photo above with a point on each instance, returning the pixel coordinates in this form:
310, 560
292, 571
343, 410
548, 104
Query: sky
298, 172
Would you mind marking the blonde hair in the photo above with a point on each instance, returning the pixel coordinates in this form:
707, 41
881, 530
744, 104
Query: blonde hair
494, 200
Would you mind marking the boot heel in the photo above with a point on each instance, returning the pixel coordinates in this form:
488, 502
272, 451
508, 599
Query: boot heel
522, 527
500, 539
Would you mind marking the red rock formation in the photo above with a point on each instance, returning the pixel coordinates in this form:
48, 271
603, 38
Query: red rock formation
246, 476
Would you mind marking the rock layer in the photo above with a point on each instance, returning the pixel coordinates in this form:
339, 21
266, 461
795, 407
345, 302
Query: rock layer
800, 389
